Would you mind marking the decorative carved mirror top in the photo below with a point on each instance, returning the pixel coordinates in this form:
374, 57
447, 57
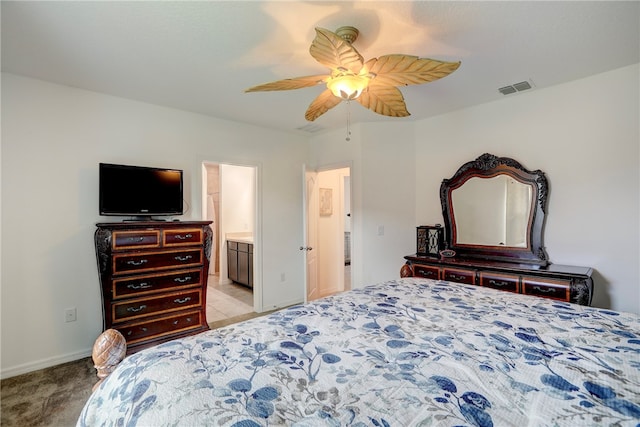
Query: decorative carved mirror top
493, 208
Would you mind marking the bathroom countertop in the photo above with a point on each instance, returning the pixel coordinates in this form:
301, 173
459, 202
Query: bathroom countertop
240, 237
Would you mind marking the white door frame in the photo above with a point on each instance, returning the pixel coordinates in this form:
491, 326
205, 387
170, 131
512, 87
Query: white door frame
310, 227
343, 165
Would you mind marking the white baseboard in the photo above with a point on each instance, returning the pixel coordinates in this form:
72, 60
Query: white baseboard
282, 305
43, 363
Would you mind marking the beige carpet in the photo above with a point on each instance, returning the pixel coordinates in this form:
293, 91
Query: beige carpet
48, 397
55, 396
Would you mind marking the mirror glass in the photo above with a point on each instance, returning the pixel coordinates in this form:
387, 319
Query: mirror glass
492, 211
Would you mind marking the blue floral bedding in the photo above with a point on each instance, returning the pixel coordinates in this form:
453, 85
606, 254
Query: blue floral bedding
410, 352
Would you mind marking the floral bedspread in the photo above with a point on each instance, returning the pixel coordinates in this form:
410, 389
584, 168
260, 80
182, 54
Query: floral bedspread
410, 352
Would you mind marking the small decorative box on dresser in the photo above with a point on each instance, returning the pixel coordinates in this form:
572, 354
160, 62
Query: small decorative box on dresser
153, 278
561, 282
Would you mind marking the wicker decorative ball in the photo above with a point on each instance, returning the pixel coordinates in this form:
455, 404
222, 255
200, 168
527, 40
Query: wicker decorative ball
108, 350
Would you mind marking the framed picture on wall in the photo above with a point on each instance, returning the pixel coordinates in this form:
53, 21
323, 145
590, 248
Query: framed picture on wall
326, 201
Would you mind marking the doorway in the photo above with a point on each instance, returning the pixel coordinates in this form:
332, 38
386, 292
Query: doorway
328, 231
230, 202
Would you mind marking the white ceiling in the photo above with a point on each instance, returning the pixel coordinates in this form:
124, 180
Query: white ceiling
200, 56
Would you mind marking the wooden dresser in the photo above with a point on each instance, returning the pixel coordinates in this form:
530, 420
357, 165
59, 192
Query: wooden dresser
560, 282
494, 210
153, 278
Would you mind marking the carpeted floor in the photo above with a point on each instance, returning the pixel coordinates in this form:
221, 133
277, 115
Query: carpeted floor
48, 397
55, 396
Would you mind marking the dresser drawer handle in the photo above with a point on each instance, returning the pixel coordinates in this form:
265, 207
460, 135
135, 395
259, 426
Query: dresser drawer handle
185, 237
144, 329
182, 300
143, 285
498, 283
183, 258
136, 239
182, 279
137, 263
176, 322
135, 310
454, 277
544, 290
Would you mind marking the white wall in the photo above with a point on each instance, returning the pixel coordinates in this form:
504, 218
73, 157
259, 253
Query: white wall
53, 138
584, 136
331, 150
388, 199
237, 194
383, 186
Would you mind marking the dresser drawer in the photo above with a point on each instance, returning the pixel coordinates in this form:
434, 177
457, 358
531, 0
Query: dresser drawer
150, 261
426, 271
141, 307
459, 276
504, 282
148, 284
138, 239
163, 326
548, 288
182, 237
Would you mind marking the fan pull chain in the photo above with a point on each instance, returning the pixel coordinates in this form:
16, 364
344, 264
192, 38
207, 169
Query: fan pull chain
348, 138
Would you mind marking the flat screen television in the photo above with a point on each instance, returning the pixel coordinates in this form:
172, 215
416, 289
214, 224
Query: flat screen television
140, 191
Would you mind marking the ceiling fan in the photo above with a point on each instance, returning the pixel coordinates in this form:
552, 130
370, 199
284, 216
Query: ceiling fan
374, 84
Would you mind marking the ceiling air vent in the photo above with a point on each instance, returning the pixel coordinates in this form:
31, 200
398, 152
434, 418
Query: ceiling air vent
516, 87
311, 128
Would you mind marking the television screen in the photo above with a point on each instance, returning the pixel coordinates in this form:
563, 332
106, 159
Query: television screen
139, 191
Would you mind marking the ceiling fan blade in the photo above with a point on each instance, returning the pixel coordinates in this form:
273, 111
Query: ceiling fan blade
289, 84
334, 52
404, 70
385, 100
323, 103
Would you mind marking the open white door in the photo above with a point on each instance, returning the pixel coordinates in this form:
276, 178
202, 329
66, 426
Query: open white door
311, 233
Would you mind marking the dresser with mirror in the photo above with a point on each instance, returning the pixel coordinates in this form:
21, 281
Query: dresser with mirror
494, 214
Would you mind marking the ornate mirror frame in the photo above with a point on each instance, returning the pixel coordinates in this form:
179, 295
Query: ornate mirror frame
489, 166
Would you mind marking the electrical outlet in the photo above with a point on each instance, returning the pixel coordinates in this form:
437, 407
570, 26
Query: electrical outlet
283, 277
70, 315
381, 230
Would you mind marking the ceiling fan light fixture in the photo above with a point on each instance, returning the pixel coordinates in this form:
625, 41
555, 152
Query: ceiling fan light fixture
347, 86
350, 76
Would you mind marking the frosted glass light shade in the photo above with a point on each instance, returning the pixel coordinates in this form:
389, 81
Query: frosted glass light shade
348, 86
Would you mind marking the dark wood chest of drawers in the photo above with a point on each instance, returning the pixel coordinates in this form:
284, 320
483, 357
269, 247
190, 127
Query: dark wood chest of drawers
560, 282
153, 278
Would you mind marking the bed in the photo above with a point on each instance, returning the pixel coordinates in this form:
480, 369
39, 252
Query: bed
407, 352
